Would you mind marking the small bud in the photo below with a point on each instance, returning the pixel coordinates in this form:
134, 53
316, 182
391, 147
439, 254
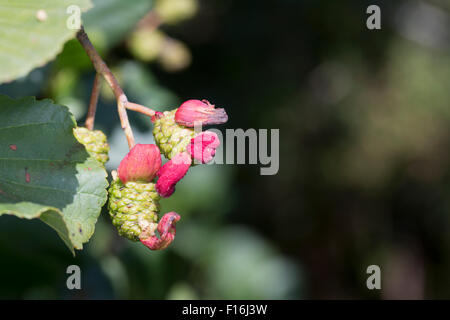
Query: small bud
203, 147
166, 229
140, 164
200, 112
172, 172
157, 115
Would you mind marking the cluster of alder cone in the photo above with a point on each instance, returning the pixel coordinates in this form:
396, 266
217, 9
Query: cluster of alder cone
134, 194
141, 179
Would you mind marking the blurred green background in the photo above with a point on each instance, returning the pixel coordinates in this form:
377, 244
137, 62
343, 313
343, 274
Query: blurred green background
364, 177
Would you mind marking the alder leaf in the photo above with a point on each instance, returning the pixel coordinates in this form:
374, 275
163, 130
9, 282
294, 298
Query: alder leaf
32, 33
45, 173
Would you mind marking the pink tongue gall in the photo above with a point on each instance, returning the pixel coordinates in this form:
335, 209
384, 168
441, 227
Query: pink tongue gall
203, 147
200, 112
140, 164
172, 172
166, 229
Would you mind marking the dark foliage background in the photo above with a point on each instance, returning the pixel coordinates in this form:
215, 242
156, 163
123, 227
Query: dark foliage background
364, 164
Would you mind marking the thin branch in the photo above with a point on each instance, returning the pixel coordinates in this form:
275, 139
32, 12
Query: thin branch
101, 68
140, 108
93, 102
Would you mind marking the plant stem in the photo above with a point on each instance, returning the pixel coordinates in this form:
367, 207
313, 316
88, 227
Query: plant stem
140, 108
101, 68
89, 124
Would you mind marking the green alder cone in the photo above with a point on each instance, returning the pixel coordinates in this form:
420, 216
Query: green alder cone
134, 208
170, 137
95, 143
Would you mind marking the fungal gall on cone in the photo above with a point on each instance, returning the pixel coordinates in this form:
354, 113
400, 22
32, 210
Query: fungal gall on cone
134, 201
166, 229
134, 196
203, 147
140, 164
193, 112
172, 172
173, 130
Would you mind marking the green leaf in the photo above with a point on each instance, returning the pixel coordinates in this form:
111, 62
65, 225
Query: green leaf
32, 33
45, 173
